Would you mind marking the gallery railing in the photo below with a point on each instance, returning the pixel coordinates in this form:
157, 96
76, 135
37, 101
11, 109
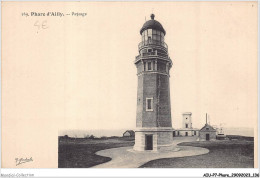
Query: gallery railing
152, 42
152, 55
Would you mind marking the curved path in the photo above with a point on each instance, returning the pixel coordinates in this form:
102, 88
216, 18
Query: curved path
125, 157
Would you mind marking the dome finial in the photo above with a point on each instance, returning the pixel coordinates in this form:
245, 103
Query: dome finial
152, 16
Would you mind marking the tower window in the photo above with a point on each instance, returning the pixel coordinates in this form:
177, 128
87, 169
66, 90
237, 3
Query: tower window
149, 104
149, 67
149, 39
154, 37
186, 118
150, 32
186, 125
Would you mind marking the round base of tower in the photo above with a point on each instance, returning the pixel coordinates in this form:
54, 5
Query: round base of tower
154, 139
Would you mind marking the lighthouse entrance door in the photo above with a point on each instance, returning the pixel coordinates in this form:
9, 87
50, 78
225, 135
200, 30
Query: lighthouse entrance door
149, 142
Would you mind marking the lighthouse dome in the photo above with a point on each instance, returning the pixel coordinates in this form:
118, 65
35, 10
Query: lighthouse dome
152, 24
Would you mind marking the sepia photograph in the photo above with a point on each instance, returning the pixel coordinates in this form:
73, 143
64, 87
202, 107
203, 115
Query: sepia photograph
130, 85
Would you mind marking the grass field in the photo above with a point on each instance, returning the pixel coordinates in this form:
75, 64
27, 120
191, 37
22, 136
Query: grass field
222, 154
236, 153
80, 153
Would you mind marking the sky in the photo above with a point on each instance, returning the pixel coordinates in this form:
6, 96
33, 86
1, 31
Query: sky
81, 73
213, 47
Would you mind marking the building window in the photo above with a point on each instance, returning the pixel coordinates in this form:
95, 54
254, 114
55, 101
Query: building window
145, 35
186, 125
162, 36
186, 118
149, 31
194, 132
149, 35
149, 104
207, 128
154, 37
149, 67
149, 39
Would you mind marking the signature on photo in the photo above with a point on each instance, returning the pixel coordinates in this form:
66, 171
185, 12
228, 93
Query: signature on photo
22, 160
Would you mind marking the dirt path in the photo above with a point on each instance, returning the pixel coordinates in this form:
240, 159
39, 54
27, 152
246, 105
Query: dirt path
125, 157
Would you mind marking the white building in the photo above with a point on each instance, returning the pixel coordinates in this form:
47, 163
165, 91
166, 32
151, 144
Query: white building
187, 129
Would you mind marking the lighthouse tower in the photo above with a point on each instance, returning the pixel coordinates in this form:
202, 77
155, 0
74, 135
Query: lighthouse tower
153, 116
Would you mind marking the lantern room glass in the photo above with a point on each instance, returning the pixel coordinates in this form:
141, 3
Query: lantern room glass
155, 35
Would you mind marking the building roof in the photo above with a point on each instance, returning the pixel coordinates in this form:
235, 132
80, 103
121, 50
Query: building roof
152, 24
187, 113
210, 128
130, 131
